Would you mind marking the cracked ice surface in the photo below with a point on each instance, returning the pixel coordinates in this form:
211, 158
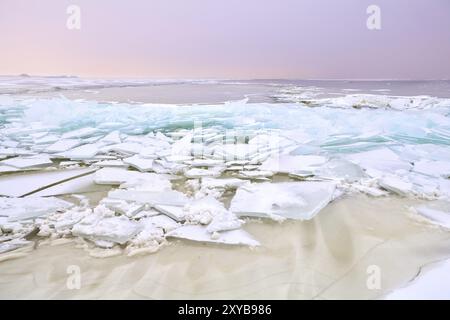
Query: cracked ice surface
194, 172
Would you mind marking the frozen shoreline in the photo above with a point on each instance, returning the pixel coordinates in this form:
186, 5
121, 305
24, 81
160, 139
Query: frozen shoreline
365, 175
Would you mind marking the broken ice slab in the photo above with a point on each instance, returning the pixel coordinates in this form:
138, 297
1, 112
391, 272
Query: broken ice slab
438, 212
8, 169
302, 175
86, 151
133, 179
167, 197
182, 147
65, 164
271, 140
111, 163
235, 168
371, 191
160, 221
63, 145
294, 200
224, 221
122, 206
200, 234
256, 174
15, 152
16, 209
177, 158
444, 187
291, 164
397, 185
433, 168
115, 229
340, 169
68, 218
148, 182
78, 185
200, 173
200, 150
112, 138
379, 162
21, 184
80, 133
203, 210
39, 161
427, 151
142, 164
46, 139
114, 176
146, 213
124, 148
13, 245
175, 212
240, 151
162, 166
205, 163
229, 183
149, 153
147, 240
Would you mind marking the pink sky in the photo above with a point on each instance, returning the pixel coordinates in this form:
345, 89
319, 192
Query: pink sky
301, 39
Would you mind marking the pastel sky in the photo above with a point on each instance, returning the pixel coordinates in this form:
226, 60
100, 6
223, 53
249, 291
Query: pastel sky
303, 39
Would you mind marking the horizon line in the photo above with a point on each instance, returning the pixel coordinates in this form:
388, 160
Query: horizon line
214, 78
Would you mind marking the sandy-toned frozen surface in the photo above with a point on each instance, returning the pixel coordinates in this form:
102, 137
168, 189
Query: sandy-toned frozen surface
324, 258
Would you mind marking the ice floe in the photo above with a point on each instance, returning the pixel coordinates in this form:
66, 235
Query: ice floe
292, 164
437, 212
63, 145
294, 200
142, 164
21, 184
16, 209
77, 185
39, 161
200, 233
13, 245
103, 225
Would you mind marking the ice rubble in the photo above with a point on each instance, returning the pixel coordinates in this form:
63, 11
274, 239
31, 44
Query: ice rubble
358, 101
136, 155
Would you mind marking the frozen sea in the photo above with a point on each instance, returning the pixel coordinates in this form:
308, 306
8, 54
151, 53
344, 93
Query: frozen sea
290, 189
